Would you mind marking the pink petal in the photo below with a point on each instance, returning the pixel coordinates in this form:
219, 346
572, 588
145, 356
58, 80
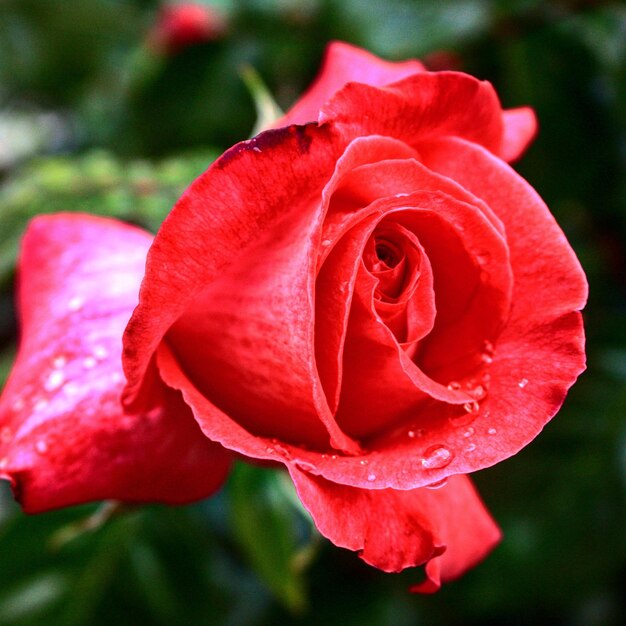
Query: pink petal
65, 439
446, 527
343, 64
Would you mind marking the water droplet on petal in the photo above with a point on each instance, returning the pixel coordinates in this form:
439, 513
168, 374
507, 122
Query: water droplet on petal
306, 466
436, 457
454, 385
478, 392
269, 450
41, 446
41, 404
326, 242
364, 462
54, 381
438, 485
492, 431
470, 447
417, 433
469, 432
471, 407
89, 362
522, 383
483, 258
75, 304
282, 450
100, 352
371, 477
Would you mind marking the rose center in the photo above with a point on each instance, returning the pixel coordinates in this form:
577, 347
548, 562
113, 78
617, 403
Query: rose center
386, 254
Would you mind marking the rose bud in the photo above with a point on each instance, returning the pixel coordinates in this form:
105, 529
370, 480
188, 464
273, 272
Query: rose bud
367, 294
181, 25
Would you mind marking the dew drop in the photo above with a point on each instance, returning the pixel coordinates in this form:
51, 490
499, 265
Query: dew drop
478, 392
89, 362
470, 447
41, 446
416, 434
471, 407
5, 434
454, 385
256, 149
75, 304
522, 383
41, 404
306, 466
486, 358
438, 485
462, 419
371, 477
469, 432
59, 361
436, 457
333, 456
492, 431
326, 242
54, 381
269, 450
100, 352
364, 462
282, 450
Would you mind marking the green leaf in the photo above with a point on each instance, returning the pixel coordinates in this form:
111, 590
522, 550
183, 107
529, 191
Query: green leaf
266, 527
139, 191
266, 108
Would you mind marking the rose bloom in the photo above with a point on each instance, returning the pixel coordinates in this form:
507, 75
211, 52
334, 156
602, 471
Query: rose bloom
366, 294
179, 26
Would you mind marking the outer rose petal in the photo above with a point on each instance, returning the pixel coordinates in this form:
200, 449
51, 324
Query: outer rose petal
342, 64
65, 439
241, 197
520, 128
421, 106
393, 530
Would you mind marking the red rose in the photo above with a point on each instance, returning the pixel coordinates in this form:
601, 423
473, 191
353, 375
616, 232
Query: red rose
373, 299
179, 26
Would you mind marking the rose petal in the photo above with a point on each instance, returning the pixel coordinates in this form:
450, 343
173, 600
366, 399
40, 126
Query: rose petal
393, 530
381, 386
422, 106
520, 128
247, 342
65, 439
342, 64
242, 196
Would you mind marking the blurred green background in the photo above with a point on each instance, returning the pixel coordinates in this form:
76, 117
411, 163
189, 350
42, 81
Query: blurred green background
98, 114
